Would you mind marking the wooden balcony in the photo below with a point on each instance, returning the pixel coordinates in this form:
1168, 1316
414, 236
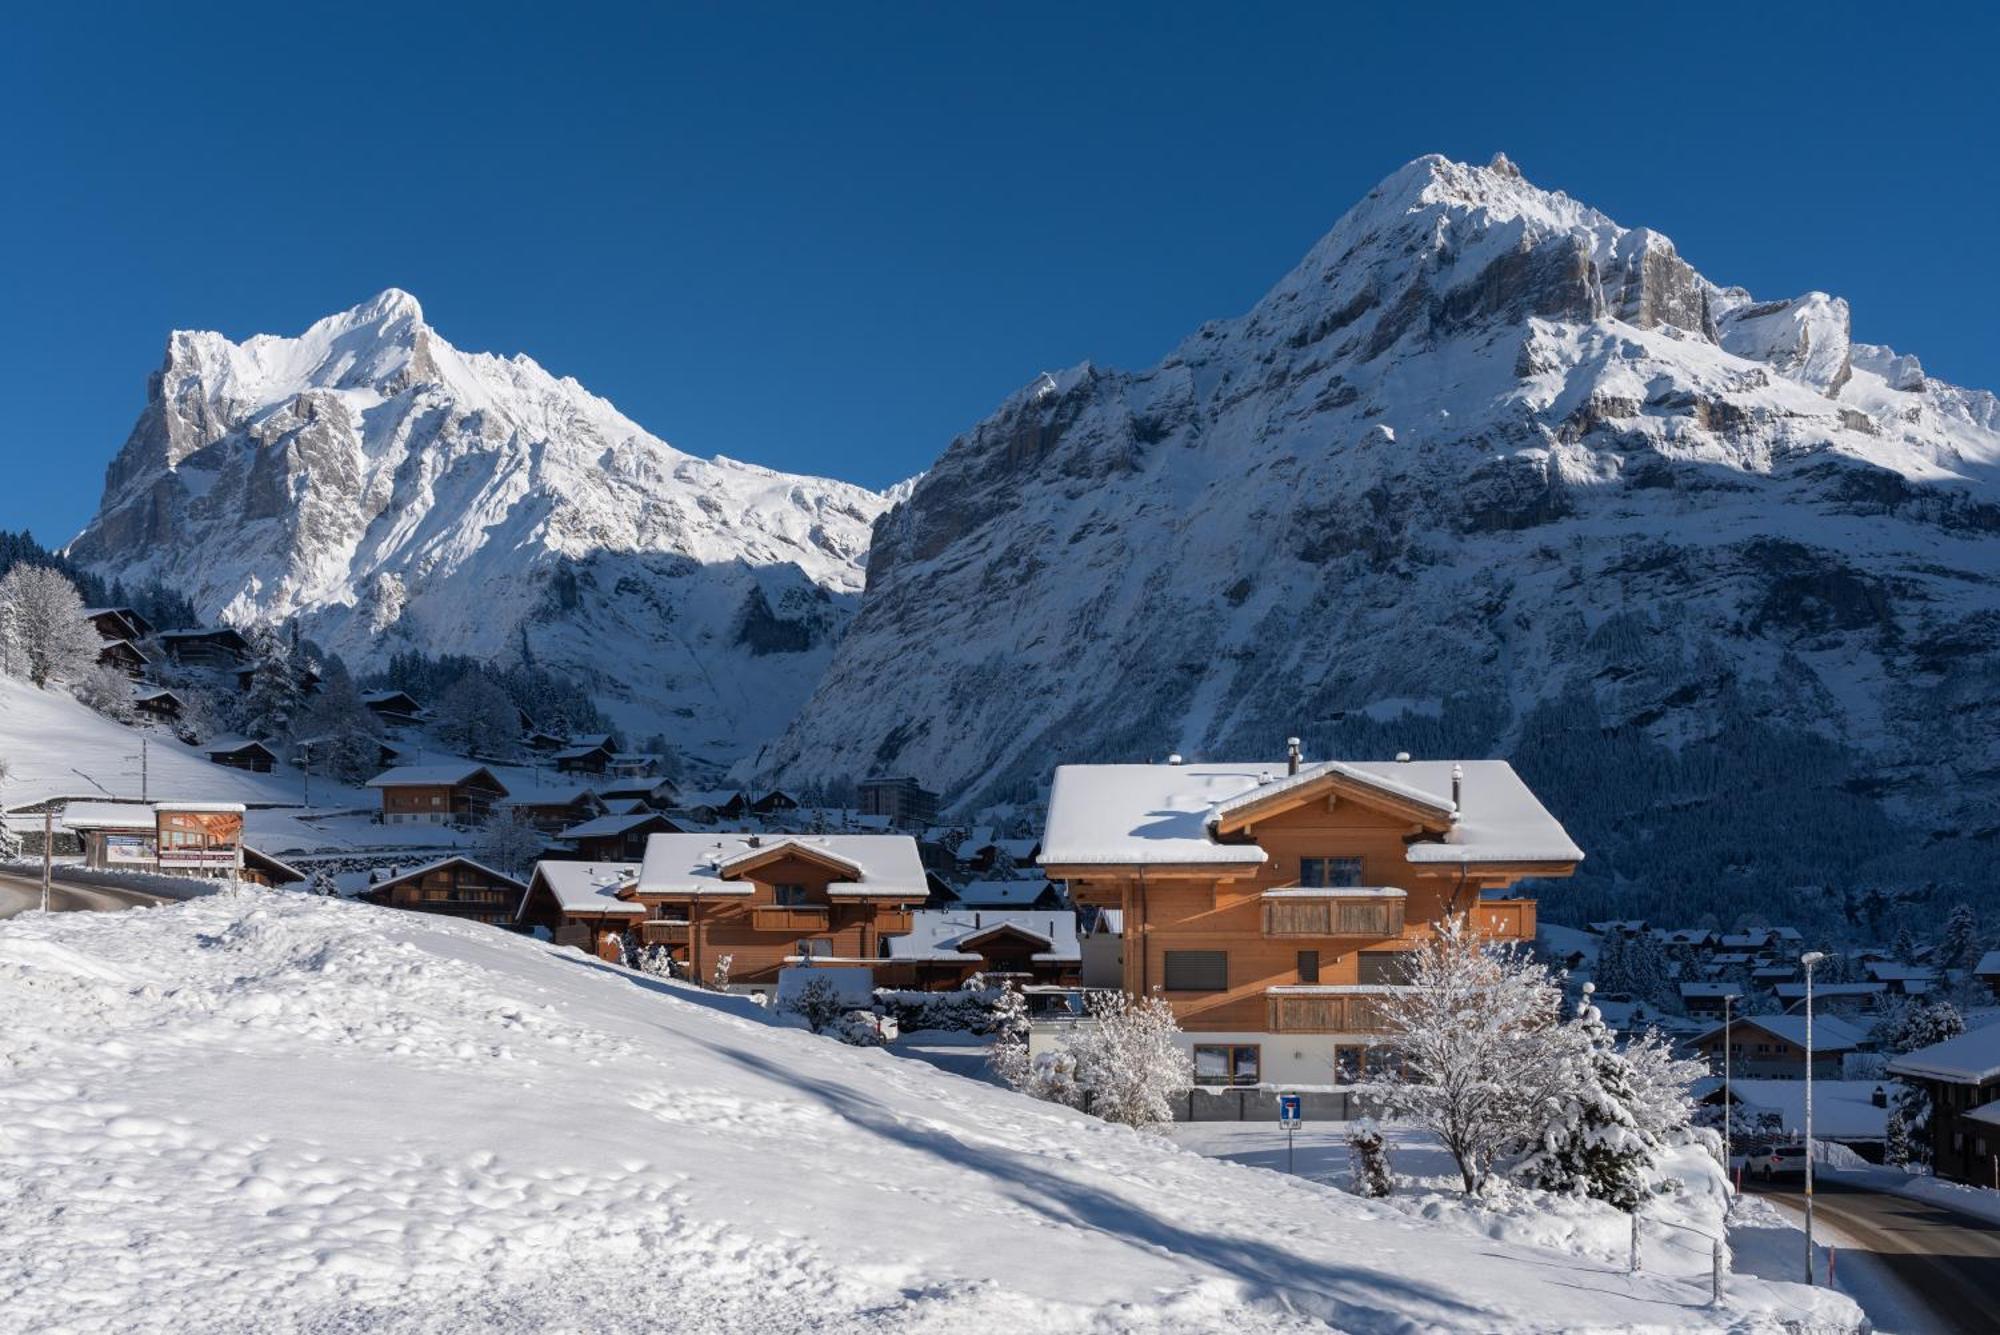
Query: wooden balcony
1376, 917
659, 933
1509, 919
807, 919
1307, 1010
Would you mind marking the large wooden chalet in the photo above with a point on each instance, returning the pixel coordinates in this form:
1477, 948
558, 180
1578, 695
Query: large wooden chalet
769, 902
456, 887
617, 838
454, 794
578, 904
1962, 1076
1273, 904
557, 806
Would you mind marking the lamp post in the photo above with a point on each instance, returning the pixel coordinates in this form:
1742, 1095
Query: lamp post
1810, 958
1728, 1109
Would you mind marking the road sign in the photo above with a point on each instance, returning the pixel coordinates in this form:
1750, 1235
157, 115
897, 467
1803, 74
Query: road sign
1291, 1110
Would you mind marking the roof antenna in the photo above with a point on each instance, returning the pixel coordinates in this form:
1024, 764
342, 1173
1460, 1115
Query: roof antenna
1292, 756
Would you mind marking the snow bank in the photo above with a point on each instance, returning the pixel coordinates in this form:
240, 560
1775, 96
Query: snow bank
264, 1111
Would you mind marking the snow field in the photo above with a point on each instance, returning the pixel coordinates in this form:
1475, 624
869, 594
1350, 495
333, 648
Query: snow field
266, 1111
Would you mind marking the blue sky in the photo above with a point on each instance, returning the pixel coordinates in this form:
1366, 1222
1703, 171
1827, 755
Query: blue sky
829, 238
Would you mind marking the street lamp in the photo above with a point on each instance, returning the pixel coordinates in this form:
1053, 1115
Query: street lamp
1810, 958
1728, 1109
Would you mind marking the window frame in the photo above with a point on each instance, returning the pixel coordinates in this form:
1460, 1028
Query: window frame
1231, 1052
791, 895
1305, 957
1320, 878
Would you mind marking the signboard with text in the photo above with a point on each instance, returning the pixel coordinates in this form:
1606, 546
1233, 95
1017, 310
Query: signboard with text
196, 840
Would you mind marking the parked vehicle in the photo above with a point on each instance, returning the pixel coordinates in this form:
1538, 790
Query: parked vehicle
1783, 1159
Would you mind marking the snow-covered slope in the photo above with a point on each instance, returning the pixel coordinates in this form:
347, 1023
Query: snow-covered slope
400, 493
271, 1112
1486, 473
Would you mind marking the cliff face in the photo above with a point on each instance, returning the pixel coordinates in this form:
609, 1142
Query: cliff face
1485, 474
395, 493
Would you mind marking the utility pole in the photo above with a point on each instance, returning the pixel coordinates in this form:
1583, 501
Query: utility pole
1810, 958
1728, 1109
145, 790
48, 852
306, 764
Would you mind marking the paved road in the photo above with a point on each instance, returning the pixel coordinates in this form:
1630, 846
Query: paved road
1946, 1263
18, 894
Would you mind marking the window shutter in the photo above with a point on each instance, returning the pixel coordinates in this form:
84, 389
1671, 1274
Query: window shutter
1197, 971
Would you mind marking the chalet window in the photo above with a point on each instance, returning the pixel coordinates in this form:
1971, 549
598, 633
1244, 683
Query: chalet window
789, 896
1197, 971
816, 948
1325, 873
1309, 966
1227, 1063
1383, 967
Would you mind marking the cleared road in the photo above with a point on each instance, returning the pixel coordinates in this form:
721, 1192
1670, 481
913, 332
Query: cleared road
1947, 1264
18, 894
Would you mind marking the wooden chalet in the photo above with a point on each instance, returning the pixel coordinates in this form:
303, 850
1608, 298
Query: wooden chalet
943, 948
261, 868
1272, 905
124, 655
1773, 1047
455, 887
655, 793
118, 623
398, 709
707, 806
1706, 1001
773, 902
159, 703
556, 807
1987, 971
1035, 893
221, 648
611, 838
1962, 1077
241, 753
774, 802
577, 904
453, 794
585, 755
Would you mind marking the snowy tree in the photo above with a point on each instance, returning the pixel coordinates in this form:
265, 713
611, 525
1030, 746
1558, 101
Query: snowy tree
344, 735
656, 961
1611, 974
1961, 930
1130, 1060
1662, 1087
106, 690
1593, 1145
1485, 1061
44, 635
273, 703
475, 716
510, 843
1897, 1152
1905, 947
322, 883
718, 977
1907, 1027
1008, 1057
818, 1003
1368, 1160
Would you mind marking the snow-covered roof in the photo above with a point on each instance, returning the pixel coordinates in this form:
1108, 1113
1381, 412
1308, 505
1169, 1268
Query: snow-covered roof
1797, 991
1125, 815
384, 697
1109, 922
155, 693
224, 745
222, 807
1709, 991
708, 797
1002, 894
1842, 1109
1890, 971
1830, 1032
602, 826
109, 816
403, 776
456, 858
1388, 785
1973, 1058
704, 864
950, 934
562, 795
589, 887
1988, 966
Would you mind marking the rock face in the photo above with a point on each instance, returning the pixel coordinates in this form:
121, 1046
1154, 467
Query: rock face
1485, 474
396, 493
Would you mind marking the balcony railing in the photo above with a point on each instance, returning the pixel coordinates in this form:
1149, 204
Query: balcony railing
1327, 1010
1375, 915
809, 919
663, 933
1510, 918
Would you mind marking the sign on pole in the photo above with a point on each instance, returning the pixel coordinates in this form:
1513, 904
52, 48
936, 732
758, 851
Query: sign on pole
1291, 1112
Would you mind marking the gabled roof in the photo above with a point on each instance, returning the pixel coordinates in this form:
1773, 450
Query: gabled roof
1154, 815
708, 797
449, 775
1830, 1032
588, 887
1002, 894
602, 826
709, 864
1797, 991
1973, 1058
952, 935
454, 860
560, 795
229, 745
1709, 991
1988, 966
154, 693
374, 698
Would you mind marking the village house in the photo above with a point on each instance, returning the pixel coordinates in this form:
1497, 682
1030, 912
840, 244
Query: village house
1705, 1001
1274, 905
1987, 971
125, 656
616, 838
1962, 1077
906, 803
242, 753
775, 802
220, 648
577, 904
159, 703
398, 709
1774, 1046
118, 623
773, 902
1847, 998
945, 947
706, 806
656, 793
455, 887
589, 754
1909, 980
450, 794
1035, 893
557, 806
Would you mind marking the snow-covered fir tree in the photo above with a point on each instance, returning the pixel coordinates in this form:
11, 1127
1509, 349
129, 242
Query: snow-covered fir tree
44, 635
1956, 941
818, 1003
1593, 1145
273, 703
340, 736
1906, 1027
477, 717
1897, 1150
1485, 1060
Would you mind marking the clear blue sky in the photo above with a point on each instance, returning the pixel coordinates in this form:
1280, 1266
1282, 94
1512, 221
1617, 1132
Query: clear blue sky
830, 238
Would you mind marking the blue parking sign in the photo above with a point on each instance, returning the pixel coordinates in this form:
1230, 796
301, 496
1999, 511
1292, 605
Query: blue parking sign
1291, 1110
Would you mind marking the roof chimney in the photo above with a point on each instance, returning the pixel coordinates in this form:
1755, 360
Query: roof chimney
1174, 759
1292, 755
1402, 757
1457, 790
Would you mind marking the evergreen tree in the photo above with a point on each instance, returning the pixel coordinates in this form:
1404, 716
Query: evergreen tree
1897, 1135
1368, 1160
1905, 947
274, 701
343, 737
1961, 931
1593, 1145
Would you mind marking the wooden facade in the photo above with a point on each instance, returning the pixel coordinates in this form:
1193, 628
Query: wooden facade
455, 887
437, 795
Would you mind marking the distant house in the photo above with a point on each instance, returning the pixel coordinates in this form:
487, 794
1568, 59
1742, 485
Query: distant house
1022, 894
125, 656
710, 805
1834, 996
1853, 1113
585, 755
905, 802
1962, 1076
1684, 938
242, 753
559, 805
1774, 1046
945, 947
1627, 927
1906, 979
159, 703
262, 869
455, 887
1769, 975
118, 623
775, 801
577, 903
1705, 1001
396, 708
218, 647
451, 794
656, 793
617, 838
543, 742
1987, 971
634, 765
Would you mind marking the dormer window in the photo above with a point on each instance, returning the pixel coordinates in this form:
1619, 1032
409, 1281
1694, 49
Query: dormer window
790, 896
1329, 873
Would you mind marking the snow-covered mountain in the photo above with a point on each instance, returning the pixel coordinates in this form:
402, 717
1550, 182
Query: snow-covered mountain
1485, 473
398, 493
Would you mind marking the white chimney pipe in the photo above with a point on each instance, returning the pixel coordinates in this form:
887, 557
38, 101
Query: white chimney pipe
1457, 790
1292, 755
